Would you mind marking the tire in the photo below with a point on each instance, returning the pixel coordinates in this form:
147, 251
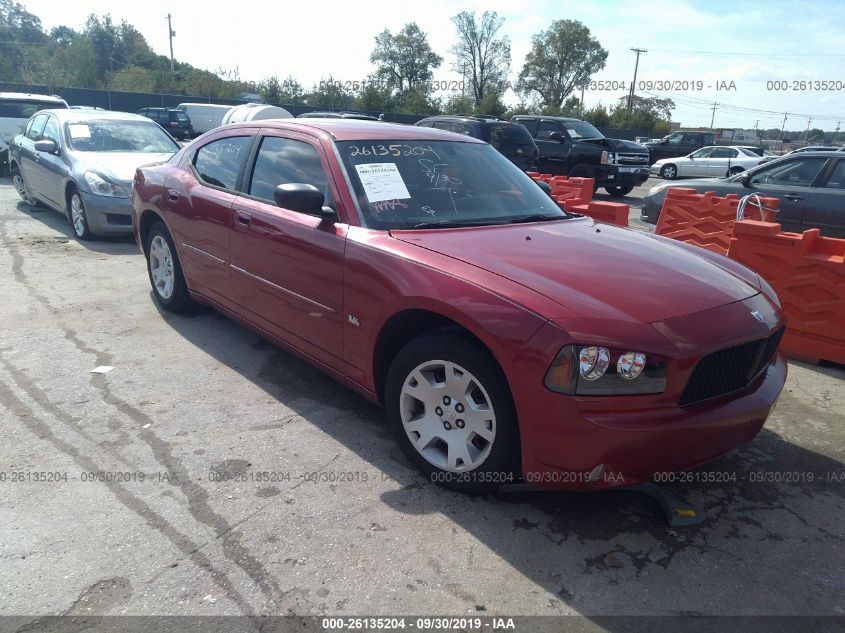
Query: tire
77, 218
165, 271
581, 171
21, 188
735, 170
669, 171
619, 190
424, 383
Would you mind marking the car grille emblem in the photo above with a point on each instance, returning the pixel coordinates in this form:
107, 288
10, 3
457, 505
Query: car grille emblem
758, 315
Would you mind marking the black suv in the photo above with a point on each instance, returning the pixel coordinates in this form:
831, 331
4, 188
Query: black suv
574, 148
174, 121
679, 144
511, 139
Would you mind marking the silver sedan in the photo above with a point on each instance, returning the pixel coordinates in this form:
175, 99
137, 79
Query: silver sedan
82, 162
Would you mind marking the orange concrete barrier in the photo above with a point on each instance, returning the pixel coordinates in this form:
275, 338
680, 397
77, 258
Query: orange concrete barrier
704, 219
808, 273
567, 191
610, 212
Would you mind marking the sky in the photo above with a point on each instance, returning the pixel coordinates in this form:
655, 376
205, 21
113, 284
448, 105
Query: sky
729, 53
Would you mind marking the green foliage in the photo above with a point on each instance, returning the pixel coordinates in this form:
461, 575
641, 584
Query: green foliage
648, 113
405, 61
491, 105
459, 104
598, 116
561, 59
481, 55
132, 79
330, 93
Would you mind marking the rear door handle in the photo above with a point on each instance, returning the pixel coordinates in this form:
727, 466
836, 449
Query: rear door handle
243, 217
793, 197
173, 195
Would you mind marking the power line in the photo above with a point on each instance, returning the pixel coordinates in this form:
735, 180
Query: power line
744, 54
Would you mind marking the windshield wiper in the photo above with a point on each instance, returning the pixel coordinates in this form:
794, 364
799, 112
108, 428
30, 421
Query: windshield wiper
451, 224
535, 217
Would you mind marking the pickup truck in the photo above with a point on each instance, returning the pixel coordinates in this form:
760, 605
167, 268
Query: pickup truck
574, 148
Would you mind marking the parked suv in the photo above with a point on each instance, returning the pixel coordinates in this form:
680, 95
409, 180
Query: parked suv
15, 110
174, 121
511, 139
679, 144
574, 148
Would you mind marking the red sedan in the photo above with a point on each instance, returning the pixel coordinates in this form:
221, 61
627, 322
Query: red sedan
506, 339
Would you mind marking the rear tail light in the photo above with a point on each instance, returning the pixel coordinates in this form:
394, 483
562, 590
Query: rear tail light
174, 124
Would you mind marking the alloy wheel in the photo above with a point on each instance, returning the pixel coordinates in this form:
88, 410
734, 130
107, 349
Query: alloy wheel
77, 215
161, 267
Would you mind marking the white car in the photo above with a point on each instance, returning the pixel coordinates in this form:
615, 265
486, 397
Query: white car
717, 161
15, 110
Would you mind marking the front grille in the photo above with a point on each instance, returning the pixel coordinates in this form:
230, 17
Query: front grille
632, 159
729, 370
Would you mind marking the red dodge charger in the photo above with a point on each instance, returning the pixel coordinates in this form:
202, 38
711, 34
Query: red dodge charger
506, 339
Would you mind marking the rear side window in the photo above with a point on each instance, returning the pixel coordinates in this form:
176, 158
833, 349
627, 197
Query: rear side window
219, 162
443, 125
504, 136
837, 176
283, 161
800, 172
12, 109
724, 152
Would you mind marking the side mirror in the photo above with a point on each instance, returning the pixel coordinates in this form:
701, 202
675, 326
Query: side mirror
745, 179
557, 136
303, 198
48, 147
545, 187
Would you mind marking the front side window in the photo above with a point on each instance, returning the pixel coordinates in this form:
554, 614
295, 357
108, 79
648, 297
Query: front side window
35, 127
51, 130
800, 172
283, 161
702, 153
545, 130
837, 176
421, 184
110, 135
219, 162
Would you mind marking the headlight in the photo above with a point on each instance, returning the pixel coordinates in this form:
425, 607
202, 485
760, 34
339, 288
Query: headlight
605, 157
656, 189
102, 187
589, 370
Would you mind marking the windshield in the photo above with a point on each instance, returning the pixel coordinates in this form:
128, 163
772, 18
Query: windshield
119, 136
181, 116
422, 184
505, 136
582, 129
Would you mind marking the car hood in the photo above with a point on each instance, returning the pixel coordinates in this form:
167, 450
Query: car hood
592, 269
692, 182
119, 166
630, 147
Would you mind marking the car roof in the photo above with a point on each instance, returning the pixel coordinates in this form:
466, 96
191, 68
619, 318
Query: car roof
73, 114
160, 108
26, 96
547, 116
357, 130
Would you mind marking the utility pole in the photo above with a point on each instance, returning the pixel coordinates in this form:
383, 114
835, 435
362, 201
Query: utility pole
782, 128
171, 33
713, 116
581, 114
634, 83
807, 133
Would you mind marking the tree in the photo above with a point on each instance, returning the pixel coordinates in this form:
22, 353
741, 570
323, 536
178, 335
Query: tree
292, 92
405, 61
132, 79
459, 104
647, 113
491, 105
330, 93
271, 90
598, 116
480, 54
375, 96
561, 58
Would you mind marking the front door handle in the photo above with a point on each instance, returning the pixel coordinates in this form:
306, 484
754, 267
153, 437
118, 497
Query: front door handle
243, 217
173, 195
793, 197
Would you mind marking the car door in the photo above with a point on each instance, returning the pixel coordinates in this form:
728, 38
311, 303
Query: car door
825, 208
27, 153
199, 199
695, 164
553, 152
287, 266
719, 163
49, 170
791, 180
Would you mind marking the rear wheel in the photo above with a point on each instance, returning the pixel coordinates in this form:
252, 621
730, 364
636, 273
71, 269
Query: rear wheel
451, 412
165, 271
20, 186
735, 170
619, 190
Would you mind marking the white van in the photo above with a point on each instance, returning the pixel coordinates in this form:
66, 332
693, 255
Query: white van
204, 116
255, 112
15, 110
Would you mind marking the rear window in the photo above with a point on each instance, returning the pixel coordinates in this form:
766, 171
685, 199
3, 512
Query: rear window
12, 109
181, 116
507, 135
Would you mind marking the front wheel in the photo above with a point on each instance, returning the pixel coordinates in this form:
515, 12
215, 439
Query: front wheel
619, 190
669, 172
165, 271
450, 408
77, 217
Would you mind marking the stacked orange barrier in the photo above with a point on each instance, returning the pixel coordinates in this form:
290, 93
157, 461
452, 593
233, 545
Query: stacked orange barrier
610, 212
567, 191
703, 219
808, 273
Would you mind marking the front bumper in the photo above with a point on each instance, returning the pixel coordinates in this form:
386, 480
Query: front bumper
624, 175
566, 440
107, 215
